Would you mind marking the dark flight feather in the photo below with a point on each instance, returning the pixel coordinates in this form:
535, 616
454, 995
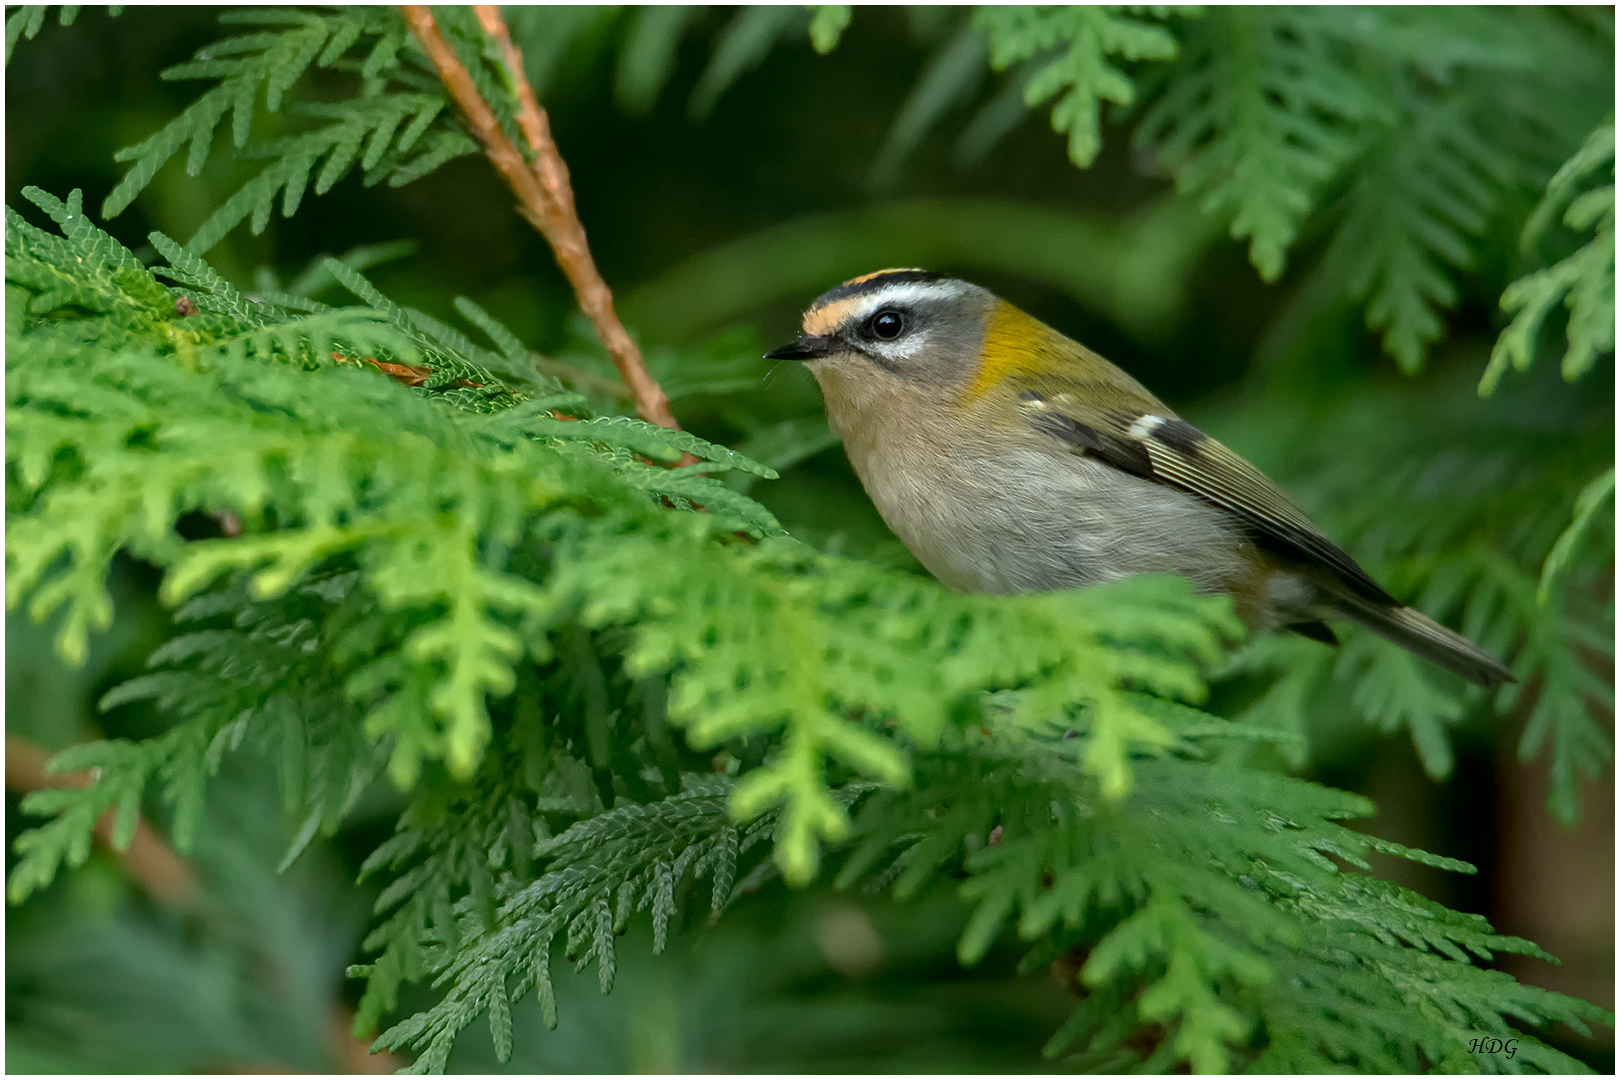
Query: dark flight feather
1164, 448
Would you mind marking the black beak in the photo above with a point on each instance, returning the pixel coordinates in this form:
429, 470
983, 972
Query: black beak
806, 348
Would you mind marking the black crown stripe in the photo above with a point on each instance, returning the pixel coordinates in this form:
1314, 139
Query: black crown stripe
861, 286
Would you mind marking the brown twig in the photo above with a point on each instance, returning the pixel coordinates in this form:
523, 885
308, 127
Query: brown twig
545, 197
531, 118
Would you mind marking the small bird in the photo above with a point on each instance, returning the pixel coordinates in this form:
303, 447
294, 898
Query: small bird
1009, 458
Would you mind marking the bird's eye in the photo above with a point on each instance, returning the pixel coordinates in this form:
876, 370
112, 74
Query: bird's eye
887, 325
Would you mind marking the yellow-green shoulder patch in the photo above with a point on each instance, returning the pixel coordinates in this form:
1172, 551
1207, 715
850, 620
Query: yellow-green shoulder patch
1013, 342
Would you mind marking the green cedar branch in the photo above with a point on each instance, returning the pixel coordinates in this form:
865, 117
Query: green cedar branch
165, 876
1583, 282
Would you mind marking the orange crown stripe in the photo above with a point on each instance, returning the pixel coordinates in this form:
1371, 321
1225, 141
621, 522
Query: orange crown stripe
881, 273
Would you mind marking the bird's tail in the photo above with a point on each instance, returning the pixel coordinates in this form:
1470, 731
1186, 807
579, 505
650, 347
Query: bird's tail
1416, 632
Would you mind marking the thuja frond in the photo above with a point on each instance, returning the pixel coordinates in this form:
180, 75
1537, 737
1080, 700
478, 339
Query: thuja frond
1197, 911
1258, 113
304, 333
1459, 127
396, 128
432, 505
1595, 496
1181, 933
1411, 128
437, 859
1583, 281
269, 61
123, 771
1412, 216
464, 371
255, 681
767, 652
166, 446
1084, 43
386, 127
598, 875
1463, 531
29, 19
395, 551
85, 269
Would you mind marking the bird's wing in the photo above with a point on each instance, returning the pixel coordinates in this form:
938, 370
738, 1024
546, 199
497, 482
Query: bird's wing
1163, 448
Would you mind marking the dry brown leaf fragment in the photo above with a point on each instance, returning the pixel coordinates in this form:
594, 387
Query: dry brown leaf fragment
408, 374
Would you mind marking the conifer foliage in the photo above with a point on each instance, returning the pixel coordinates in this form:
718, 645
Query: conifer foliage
1401, 132
612, 687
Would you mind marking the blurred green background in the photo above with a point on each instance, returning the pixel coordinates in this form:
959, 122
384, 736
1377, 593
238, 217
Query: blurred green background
715, 224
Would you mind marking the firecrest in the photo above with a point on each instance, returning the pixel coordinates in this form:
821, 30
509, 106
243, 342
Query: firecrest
1009, 458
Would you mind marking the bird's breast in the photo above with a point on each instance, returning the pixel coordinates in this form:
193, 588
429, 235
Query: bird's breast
1001, 517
